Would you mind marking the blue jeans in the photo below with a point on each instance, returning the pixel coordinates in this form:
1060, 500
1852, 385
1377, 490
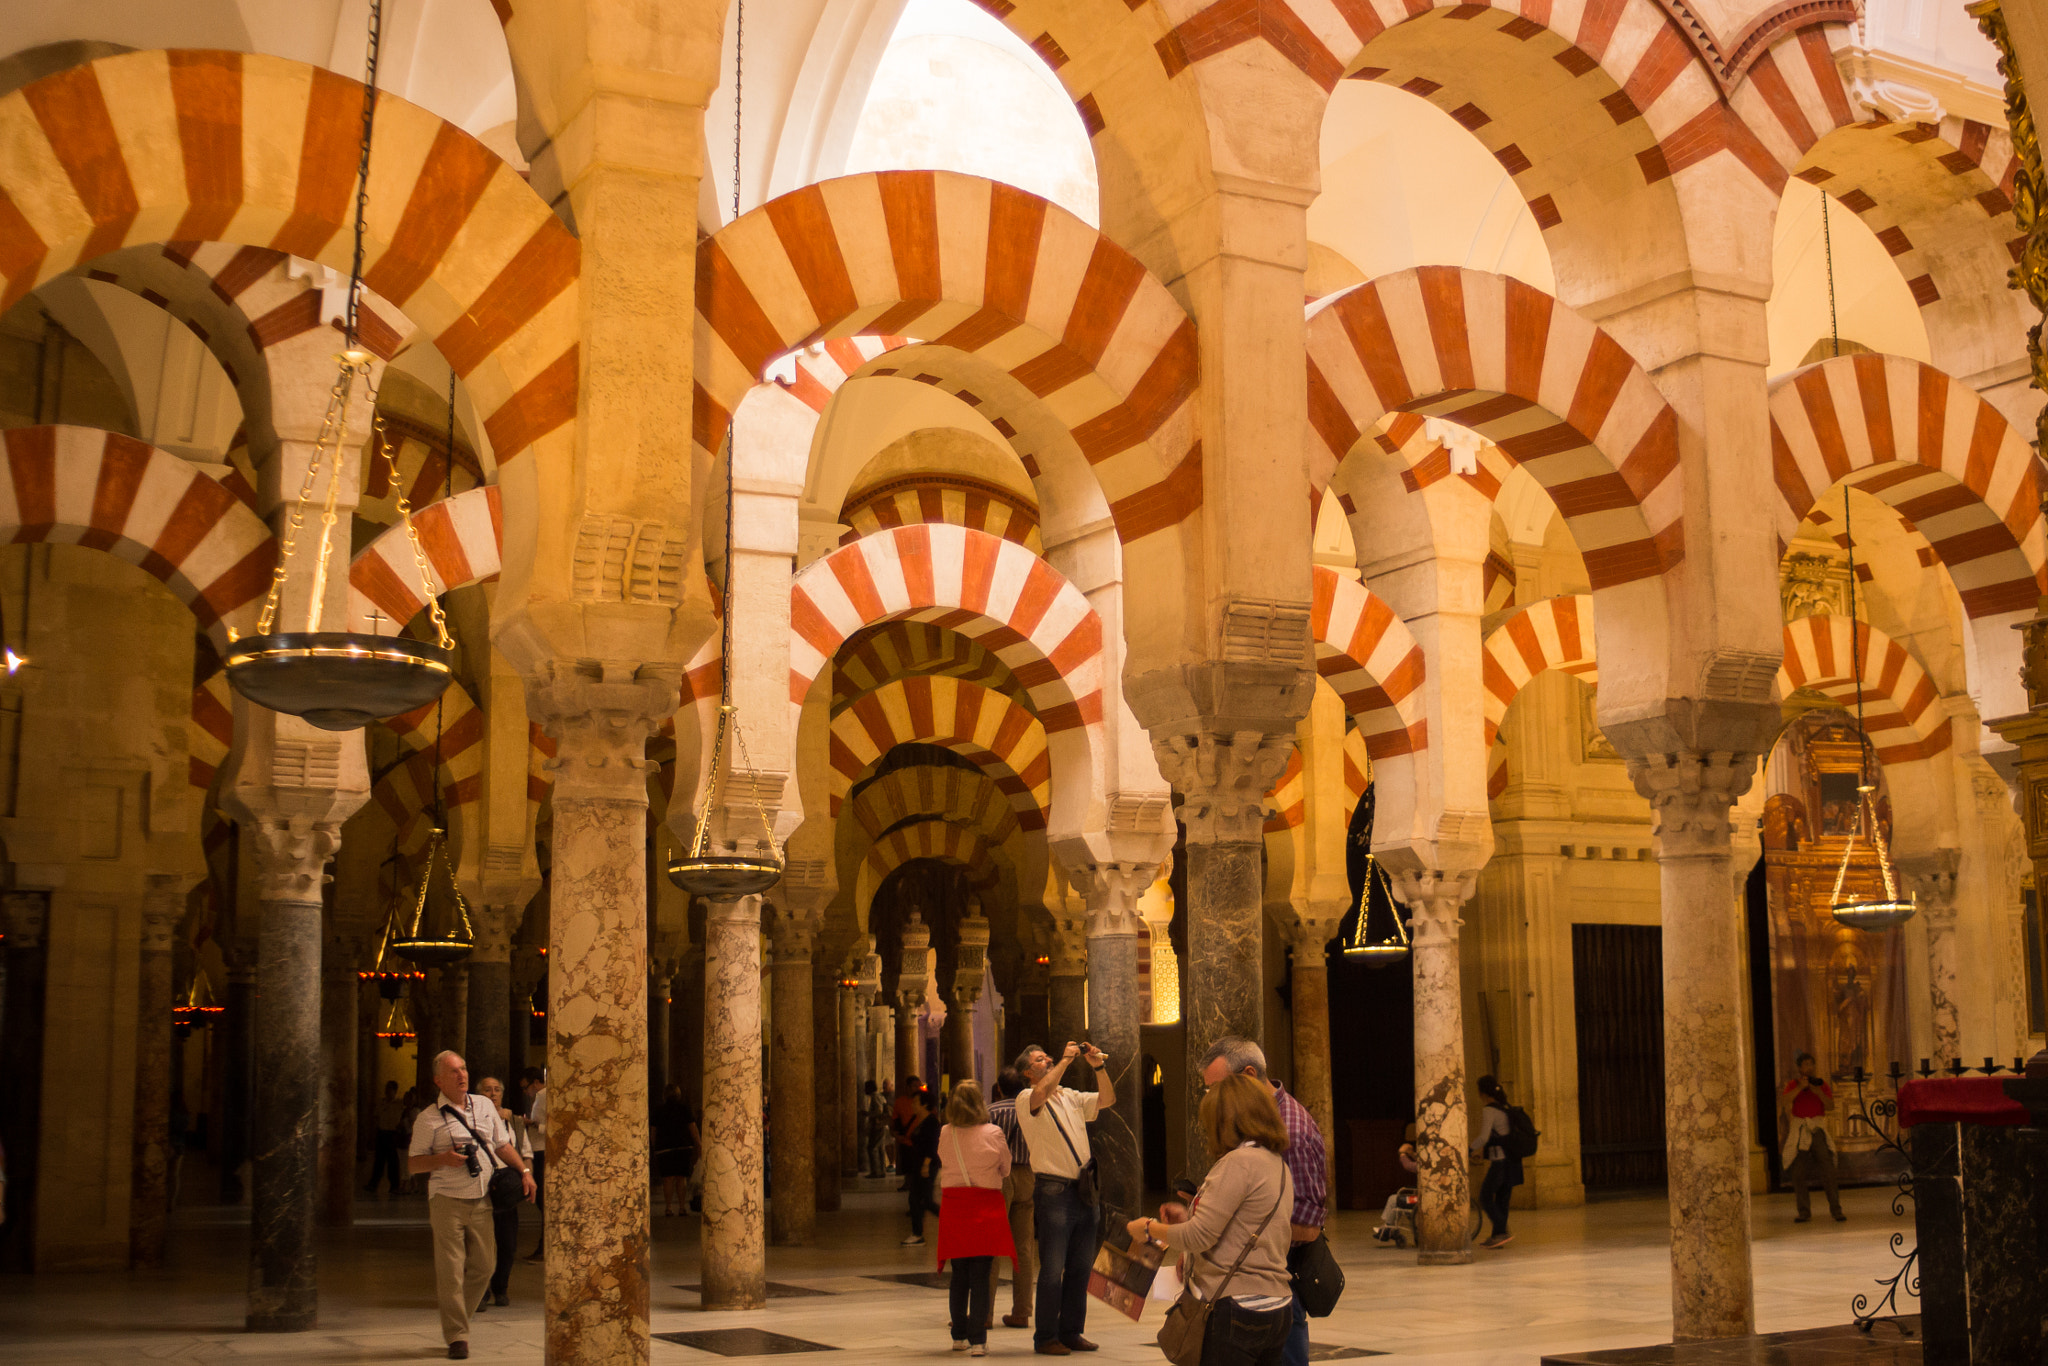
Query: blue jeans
1295, 1352
1243, 1337
1067, 1236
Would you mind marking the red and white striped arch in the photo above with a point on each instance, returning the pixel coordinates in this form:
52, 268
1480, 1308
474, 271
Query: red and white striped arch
1367, 655
211, 146
899, 649
821, 369
84, 486
980, 268
1554, 392
994, 732
463, 538
933, 839
1930, 447
930, 791
1902, 711
1289, 797
211, 734
1556, 633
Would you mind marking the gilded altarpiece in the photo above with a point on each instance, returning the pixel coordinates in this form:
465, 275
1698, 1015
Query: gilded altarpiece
1836, 992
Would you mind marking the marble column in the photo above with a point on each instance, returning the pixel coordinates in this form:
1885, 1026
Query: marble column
688, 1013
237, 1057
598, 1225
340, 1009
735, 1266
793, 1213
528, 969
451, 1011
1705, 1109
1112, 891
1032, 1023
163, 907
657, 1033
913, 970
1932, 880
291, 860
970, 969
1443, 1179
26, 919
827, 1097
881, 1045
1311, 1083
1067, 989
487, 1045
853, 1029
1223, 779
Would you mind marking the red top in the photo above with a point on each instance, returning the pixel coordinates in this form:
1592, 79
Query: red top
1945, 1100
1808, 1105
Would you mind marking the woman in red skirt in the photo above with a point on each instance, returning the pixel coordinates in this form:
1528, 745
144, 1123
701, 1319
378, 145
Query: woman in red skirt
974, 1217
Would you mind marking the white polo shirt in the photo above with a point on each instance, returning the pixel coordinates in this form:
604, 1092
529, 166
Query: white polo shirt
437, 1130
1050, 1155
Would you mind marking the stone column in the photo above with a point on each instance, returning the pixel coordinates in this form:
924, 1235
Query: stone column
970, 968
1223, 779
1705, 1110
1032, 1023
450, 985
340, 1009
1310, 1083
598, 1231
487, 1043
1112, 890
827, 1097
913, 968
237, 1058
149, 1206
687, 1016
1932, 880
528, 968
1443, 1181
853, 1031
793, 1213
26, 916
291, 861
1067, 989
735, 1266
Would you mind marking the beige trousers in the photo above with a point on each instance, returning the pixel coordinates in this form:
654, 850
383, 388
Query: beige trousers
465, 1253
1018, 1186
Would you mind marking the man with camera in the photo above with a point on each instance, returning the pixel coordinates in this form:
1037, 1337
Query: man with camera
1054, 1121
461, 1141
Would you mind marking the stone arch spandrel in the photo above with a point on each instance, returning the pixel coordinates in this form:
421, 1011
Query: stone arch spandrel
462, 539
1556, 633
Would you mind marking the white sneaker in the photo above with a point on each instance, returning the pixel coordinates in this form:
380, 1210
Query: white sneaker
914, 1240
977, 1350
959, 1344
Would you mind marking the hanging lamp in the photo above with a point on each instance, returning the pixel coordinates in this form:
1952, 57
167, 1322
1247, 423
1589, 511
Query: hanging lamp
1377, 940
458, 937
704, 872
340, 680
1889, 910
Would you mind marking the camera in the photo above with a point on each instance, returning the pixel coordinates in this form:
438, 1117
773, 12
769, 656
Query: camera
468, 1152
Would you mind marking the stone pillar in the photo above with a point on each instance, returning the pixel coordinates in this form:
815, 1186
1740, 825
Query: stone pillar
1223, 779
1112, 890
827, 1097
1067, 989
1932, 880
913, 968
598, 1226
735, 1266
1443, 1180
237, 1058
1705, 1111
1032, 1022
528, 968
149, 1207
1311, 1080
450, 985
487, 1044
26, 916
687, 1017
853, 1030
793, 1213
291, 861
340, 1009
970, 969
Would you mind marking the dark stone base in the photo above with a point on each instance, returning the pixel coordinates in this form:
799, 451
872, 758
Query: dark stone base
1883, 1345
282, 1323
1981, 1204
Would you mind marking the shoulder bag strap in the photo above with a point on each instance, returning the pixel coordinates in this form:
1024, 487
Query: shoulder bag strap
1071, 1150
953, 1132
1224, 1284
463, 1120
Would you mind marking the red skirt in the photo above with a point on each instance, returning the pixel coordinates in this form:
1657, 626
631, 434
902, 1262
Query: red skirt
974, 1221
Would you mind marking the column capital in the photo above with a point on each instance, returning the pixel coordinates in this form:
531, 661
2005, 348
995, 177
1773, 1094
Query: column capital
792, 937
494, 926
970, 963
1111, 891
1315, 922
1434, 896
914, 966
745, 911
1932, 879
1067, 945
601, 716
291, 857
1690, 792
25, 916
163, 907
1223, 779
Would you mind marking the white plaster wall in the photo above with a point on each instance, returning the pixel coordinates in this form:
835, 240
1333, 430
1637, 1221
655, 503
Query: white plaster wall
1871, 297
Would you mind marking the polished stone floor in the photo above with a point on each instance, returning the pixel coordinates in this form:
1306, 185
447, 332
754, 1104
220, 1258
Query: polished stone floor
1573, 1280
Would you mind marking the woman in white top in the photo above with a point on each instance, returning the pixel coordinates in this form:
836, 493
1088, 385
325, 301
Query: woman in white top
974, 1215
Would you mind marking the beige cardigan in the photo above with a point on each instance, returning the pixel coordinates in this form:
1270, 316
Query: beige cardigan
1243, 1185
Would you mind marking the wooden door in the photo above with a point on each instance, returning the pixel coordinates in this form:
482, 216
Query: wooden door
1618, 977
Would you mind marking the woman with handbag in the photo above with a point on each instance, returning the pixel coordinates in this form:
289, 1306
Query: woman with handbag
974, 1215
1236, 1307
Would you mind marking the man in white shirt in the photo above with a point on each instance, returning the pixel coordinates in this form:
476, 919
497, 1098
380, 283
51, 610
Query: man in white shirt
460, 1140
1054, 1121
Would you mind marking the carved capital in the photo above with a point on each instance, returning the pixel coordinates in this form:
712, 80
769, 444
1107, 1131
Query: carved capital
1068, 946
1112, 891
1932, 880
1434, 898
494, 927
600, 717
914, 967
970, 963
1690, 793
163, 908
792, 937
291, 858
1223, 780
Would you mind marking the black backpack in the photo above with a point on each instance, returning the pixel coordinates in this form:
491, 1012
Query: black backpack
1522, 1134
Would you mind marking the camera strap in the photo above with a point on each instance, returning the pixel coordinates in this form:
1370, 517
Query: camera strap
463, 1120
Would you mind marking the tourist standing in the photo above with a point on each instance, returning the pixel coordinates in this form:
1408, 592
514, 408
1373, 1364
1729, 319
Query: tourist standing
1017, 1192
675, 1149
922, 1145
460, 1141
874, 1127
904, 1115
390, 1122
1307, 1166
1504, 1166
1233, 1244
974, 1222
1803, 1107
504, 1222
1054, 1119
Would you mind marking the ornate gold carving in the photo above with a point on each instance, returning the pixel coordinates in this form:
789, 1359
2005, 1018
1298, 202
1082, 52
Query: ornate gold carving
1814, 585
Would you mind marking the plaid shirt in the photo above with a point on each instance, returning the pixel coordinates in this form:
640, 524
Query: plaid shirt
1003, 1114
1304, 1160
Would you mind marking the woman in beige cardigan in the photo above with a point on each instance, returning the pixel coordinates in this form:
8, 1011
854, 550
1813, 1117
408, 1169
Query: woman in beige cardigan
1240, 1210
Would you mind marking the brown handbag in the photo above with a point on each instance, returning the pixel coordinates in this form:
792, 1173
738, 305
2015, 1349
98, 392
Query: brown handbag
1187, 1322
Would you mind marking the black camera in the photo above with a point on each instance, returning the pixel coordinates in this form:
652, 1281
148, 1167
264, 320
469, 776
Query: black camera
468, 1151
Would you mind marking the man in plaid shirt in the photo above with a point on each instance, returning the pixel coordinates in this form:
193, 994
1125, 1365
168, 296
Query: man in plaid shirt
1305, 1161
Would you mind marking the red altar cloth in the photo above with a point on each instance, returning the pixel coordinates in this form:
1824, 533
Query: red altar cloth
1946, 1100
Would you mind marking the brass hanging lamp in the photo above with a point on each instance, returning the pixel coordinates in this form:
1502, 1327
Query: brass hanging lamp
1377, 939
341, 680
457, 938
704, 872
1877, 913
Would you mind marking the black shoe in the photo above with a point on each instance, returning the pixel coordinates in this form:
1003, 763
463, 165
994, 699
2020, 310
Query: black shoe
483, 1304
536, 1254
1802, 1218
501, 1299
458, 1351
1841, 1218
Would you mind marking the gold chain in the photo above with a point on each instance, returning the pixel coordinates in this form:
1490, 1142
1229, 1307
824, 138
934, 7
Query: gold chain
419, 554
331, 428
